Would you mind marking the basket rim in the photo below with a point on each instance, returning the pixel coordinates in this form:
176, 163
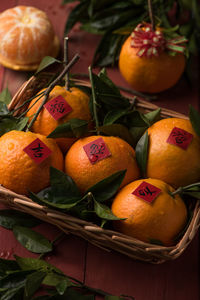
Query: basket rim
156, 253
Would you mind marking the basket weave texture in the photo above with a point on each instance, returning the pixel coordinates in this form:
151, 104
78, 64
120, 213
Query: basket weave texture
103, 238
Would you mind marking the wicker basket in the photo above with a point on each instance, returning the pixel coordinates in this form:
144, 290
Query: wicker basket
103, 238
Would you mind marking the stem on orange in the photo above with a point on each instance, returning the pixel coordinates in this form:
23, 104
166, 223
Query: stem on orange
180, 190
66, 61
51, 86
151, 16
94, 102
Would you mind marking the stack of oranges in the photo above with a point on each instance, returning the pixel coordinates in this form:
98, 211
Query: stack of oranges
149, 210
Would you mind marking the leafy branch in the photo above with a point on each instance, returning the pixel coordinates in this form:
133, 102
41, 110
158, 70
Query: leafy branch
22, 278
114, 21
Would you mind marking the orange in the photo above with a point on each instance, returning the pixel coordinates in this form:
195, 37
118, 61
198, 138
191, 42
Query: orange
170, 162
85, 174
26, 36
19, 172
160, 220
45, 123
150, 74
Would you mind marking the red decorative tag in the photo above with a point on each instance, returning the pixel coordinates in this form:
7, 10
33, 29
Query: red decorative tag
96, 150
180, 138
146, 191
58, 107
37, 151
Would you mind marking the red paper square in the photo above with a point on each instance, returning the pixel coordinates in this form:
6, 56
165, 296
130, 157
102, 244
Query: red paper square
146, 191
179, 137
96, 150
37, 151
58, 107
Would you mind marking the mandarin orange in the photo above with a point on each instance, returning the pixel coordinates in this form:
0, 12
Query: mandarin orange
45, 123
18, 171
151, 73
26, 36
161, 220
82, 161
169, 159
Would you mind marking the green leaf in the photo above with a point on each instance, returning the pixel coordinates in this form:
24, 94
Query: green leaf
13, 280
7, 265
32, 240
136, 133
8, 123
113, 115
137, 119
61, 183
53, 279
62, 193
141, 152
33, 282
104, 77
73, 128
10, 218
13, 293
77, 14
46, 62
192, 190
107, 94
5, 96
42, 201
62, 286
108, 49
3, 109
76, 295
104, 212
118, 130
153, 116
21, 124
195, 119
106, 188
28, 263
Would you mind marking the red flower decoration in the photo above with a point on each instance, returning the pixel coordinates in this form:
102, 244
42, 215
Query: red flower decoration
152, 43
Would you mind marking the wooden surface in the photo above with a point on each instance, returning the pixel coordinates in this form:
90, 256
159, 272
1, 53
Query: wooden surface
110, 271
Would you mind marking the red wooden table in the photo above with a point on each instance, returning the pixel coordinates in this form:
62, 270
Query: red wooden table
110, 271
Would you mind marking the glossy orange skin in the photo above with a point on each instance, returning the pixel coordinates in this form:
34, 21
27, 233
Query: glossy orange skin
18, 172
150, 75
170, 163
85, 174
161, 220
45, 123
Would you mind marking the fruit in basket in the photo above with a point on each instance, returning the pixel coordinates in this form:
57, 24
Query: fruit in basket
25, 161
92, 159
26, 36
174, 152
152, 214
146, 63
77, 108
